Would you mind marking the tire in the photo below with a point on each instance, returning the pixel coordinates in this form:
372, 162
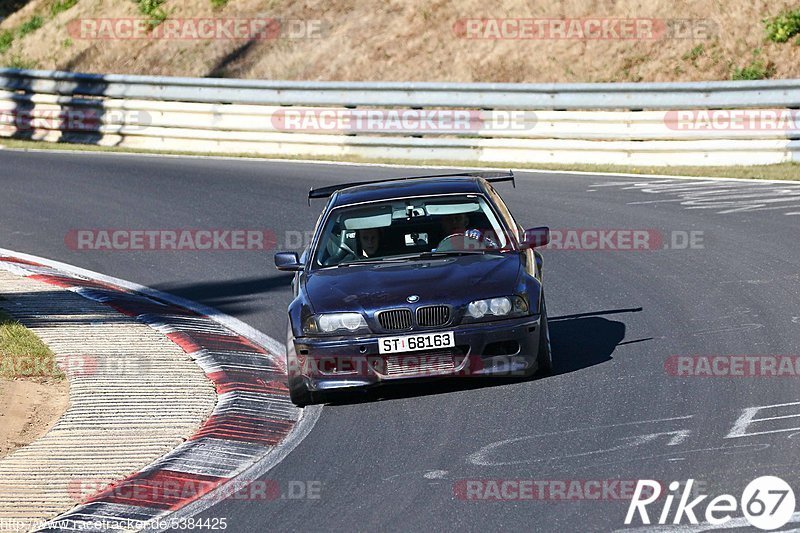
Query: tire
299, 394
545, 356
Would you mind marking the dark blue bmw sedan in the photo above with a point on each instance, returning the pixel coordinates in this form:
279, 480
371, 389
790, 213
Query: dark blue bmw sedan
411, 278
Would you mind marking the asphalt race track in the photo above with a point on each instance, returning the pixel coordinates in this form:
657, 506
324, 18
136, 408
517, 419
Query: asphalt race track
399, 460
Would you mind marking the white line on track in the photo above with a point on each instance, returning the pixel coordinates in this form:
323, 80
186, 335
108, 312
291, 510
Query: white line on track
724, 198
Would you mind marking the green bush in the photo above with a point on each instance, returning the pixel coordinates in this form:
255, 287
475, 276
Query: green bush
21, 63
6, 40
758, 69
783, 27
59, 6
695, 53
152, 9
218, 4
30, 25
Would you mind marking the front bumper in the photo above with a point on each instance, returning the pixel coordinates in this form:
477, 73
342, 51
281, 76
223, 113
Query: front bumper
498, 348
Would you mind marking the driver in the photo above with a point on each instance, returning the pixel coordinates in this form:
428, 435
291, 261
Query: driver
456, 224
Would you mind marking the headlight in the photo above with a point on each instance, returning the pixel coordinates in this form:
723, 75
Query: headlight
497, 307
500, 306
478, 308
334, 322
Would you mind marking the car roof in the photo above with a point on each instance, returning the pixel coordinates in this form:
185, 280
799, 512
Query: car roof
390, 190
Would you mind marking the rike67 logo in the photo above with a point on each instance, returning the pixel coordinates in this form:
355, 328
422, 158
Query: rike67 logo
767, 503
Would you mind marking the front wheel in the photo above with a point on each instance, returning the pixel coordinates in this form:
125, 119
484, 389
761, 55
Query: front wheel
301, 396
545, 356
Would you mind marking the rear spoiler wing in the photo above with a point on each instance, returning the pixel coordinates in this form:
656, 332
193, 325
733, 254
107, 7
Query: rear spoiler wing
492, 176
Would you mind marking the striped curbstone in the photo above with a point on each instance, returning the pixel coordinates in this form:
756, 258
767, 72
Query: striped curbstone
253, 415
120, 372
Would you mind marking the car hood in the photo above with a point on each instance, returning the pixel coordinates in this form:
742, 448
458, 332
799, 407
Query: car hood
453, 280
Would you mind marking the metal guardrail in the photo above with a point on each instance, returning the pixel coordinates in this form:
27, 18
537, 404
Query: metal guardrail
631, 96
565, 123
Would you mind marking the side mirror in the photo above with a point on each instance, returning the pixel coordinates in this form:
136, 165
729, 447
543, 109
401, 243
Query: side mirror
288, 262
536, 237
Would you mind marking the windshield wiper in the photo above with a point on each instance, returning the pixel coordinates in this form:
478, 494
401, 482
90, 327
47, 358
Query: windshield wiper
428, 255
370, 262
415, 257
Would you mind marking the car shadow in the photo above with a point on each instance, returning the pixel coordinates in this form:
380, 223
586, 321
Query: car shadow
577, 341
230, 296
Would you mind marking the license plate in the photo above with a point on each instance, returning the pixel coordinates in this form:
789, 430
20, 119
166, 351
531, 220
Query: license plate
414, 343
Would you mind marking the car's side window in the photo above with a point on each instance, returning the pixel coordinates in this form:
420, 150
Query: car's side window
504, 212
317, 234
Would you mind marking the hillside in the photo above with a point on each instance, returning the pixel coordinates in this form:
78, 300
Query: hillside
410, 40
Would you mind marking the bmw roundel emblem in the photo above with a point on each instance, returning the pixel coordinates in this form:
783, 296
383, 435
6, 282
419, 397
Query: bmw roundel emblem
412, 299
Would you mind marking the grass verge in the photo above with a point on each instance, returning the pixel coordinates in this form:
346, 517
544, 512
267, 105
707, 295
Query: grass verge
22, 354
780, 171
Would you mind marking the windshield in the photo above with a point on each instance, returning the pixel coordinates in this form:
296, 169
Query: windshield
410, 228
